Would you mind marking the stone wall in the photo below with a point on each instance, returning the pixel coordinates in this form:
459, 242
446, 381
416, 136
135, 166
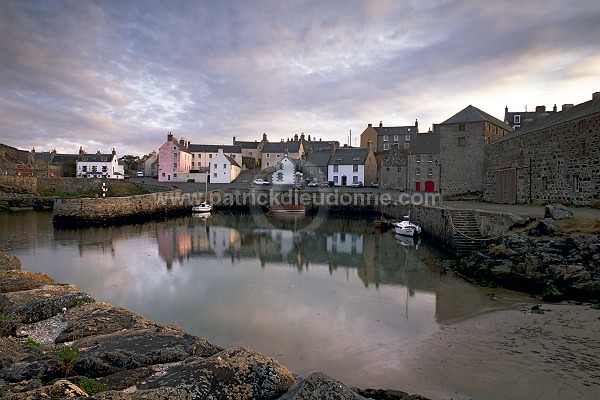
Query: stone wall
560, 163
28, 183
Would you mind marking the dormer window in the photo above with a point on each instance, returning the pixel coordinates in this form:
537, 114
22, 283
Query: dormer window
385, 138
517, 119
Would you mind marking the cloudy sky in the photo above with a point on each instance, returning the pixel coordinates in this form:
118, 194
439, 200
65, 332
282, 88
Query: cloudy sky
112, 73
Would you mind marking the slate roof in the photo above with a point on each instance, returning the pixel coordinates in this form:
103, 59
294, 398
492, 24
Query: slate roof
575, 112
318, 145
282, 147
474, 114
213, 148
95, 157
426, 143
56, 157
247, 145
318, 158
349, 156
231, 160
395, 130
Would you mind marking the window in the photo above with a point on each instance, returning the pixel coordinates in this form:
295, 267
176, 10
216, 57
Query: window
310, 170
94, 168
320, 170
104, 169
407, 137
175, 175
430, 171
418, 157
395, 138
163, 174
335, 179
461, 141
355, 179
385, 138
84, 168
417, 171
335, 168
224, 166
215, 166
386, 146
174, 155
193, 155
174, 147
193, 163
215, 174
210, 156
267, 164
277, 156
355, 168
268, 155
407, 146
517, 119
430, 158
174, 165
461, 127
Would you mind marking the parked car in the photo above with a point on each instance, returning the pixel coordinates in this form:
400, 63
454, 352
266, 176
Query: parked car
140, 174
356, 184
261, 182
313, 184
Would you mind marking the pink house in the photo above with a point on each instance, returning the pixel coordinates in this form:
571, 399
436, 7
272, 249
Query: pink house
174, 160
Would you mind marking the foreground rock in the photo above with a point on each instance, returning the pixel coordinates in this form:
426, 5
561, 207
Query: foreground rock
542, 261
51, 332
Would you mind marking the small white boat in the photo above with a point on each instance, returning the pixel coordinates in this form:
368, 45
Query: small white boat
405, 230
202, 208
406, 224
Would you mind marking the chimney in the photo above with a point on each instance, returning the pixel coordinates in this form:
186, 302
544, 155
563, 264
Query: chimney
370, 125
540, 109
170, 137
302, 136
309, 138
114, 152
566, 107
234, 140
380, 124
596, 96
81, 150
416, 126
296, 137
506, 114
265, 137
554, 108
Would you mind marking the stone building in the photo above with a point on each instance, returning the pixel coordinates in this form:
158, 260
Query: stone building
388, 137
462, 140
424, 168
251, 151
314, 167
557, 158
275, 151
393, 172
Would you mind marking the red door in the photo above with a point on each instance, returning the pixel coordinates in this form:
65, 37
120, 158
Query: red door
429, 186
418, 186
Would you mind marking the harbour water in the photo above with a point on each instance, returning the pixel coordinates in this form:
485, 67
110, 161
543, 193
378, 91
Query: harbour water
318, 293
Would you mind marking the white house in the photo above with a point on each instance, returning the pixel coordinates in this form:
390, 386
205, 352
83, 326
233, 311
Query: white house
99, 166
223, 168
352, 165
286, 172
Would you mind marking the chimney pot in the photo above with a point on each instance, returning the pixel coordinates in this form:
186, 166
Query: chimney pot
380, 124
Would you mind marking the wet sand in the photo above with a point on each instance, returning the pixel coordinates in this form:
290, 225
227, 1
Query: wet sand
509, 354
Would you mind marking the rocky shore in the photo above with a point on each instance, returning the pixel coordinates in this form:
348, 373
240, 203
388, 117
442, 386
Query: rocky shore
544, 259
58, 342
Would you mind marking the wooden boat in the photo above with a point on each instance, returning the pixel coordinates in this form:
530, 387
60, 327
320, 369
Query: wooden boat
288, 209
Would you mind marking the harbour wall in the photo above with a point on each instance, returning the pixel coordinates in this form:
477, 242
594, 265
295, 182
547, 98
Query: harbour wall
435, 219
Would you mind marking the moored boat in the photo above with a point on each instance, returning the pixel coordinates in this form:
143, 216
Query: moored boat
288, 209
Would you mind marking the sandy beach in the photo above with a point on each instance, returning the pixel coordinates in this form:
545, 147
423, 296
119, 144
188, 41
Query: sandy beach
509, 354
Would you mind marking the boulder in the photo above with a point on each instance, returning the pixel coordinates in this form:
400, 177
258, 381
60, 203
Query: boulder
17, 280
557, 211
21, 362
9, 262
134, 349
99, 319
322, 387
237, 373
546, 227
43, 309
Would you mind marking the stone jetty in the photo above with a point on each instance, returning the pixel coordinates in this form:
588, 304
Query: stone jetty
58, 342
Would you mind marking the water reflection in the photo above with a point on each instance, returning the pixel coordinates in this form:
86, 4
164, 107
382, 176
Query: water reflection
319, 293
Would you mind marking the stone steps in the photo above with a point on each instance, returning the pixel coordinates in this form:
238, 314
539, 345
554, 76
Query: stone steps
467, 237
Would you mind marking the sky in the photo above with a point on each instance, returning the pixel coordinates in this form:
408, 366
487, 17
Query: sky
123, 74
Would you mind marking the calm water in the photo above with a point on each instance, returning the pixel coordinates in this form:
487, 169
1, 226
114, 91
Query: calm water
318, 294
